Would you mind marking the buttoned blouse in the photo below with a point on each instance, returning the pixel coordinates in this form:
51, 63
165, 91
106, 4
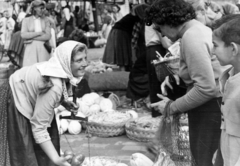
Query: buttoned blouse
26, 85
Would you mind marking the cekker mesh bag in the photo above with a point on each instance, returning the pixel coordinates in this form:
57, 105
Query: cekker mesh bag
174, 144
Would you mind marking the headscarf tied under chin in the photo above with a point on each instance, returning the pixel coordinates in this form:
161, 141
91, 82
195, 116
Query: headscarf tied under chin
60, 64
60, 53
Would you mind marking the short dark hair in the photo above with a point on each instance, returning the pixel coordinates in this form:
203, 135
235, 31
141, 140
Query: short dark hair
169, 12
76, 49
117, 7
24, 7
227, 29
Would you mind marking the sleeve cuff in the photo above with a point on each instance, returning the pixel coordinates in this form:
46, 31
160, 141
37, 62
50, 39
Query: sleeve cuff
174, 108
40, 138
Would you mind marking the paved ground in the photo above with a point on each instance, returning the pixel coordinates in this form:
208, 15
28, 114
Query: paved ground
120, 148
95, 53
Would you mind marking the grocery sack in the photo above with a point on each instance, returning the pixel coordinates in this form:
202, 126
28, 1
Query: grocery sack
174, 144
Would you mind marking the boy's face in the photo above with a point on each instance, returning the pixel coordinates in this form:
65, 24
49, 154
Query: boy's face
223, 52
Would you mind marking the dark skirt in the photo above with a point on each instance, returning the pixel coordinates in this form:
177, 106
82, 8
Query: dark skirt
68, 30
118, 48
23, 151
17, 44
138, 84
204, 131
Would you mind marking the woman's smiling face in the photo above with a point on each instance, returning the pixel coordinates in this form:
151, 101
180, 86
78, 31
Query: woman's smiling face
78, 64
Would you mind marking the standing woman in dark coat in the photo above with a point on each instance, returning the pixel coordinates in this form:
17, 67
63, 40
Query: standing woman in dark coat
118, 48
138, 85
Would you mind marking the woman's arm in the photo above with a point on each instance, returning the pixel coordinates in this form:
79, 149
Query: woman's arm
196, 50
42, 117
28, 35
51, 152
47, 33
63, 23
74, 22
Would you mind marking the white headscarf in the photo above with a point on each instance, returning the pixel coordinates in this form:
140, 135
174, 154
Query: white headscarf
67, 14
60, 64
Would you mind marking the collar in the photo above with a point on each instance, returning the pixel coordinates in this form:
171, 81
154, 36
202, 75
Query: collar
224, 77
186, 26
36, 18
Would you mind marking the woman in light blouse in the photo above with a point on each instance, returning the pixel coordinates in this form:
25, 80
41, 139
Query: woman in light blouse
27, 122
36, 31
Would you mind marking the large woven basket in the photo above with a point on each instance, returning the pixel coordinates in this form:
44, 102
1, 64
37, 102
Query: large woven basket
141, 130
138, 134
105, 130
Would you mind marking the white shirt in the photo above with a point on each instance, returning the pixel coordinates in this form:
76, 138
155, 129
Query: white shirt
21, 16
151, 36
37, 24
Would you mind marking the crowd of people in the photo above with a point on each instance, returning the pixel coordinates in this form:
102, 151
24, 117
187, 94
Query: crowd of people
208, 34
38, 27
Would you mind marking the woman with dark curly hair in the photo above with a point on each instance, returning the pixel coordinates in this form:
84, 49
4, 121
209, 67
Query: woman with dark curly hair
199, 70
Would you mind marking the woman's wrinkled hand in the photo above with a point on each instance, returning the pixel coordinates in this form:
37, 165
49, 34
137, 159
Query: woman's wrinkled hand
166, 84
160, 106
71, 106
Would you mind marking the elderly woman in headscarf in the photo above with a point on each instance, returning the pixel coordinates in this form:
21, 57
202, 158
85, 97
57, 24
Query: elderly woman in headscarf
68, 23
29, 131
35, 31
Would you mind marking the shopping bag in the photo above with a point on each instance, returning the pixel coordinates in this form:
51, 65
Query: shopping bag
174, 146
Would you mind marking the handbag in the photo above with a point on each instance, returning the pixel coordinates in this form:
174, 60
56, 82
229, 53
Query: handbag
48, 47
178, 90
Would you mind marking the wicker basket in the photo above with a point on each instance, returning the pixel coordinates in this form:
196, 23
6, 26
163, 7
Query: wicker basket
138, 134
105, 130
162, 70
141, 131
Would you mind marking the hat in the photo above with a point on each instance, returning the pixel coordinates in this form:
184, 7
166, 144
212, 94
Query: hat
117, 7
140, 10
50, 6
37, 3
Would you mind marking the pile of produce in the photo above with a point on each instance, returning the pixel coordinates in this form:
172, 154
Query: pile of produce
90, 104
99, 67
93, 103
74, 159
110, 118
145, 122
101, 161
